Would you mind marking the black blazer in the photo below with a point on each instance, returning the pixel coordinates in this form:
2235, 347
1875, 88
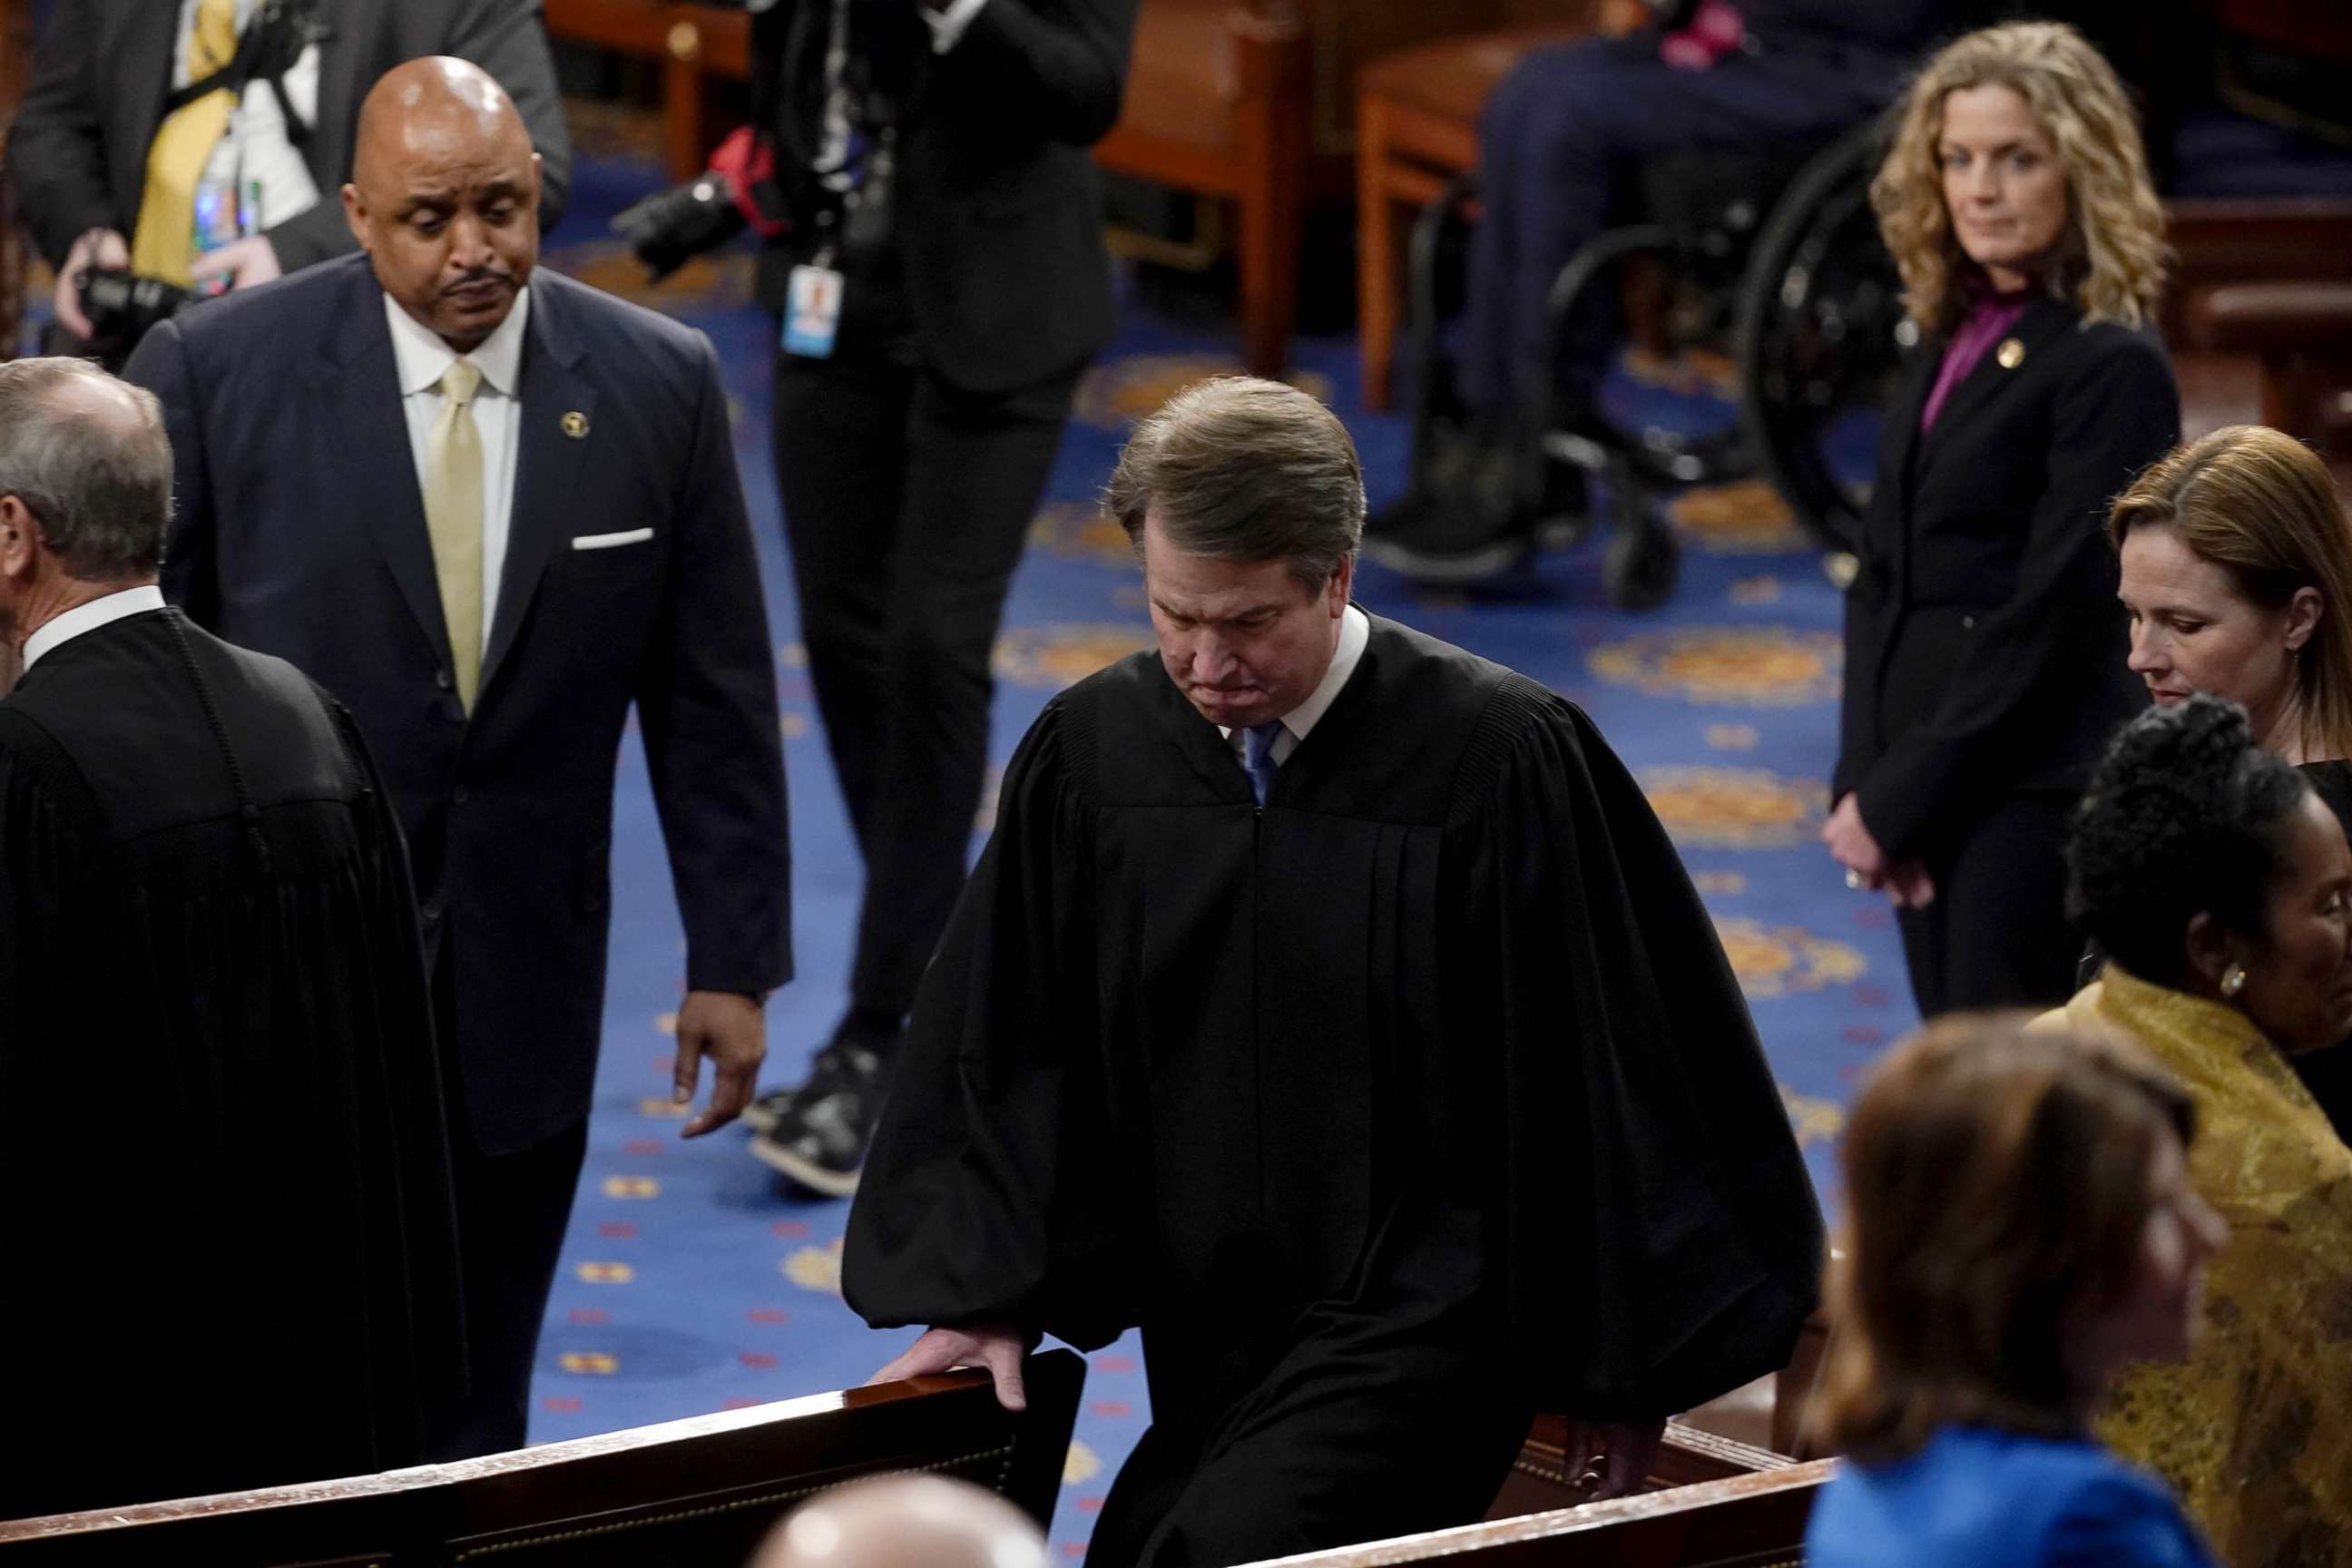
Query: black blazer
78, 150
999, 213
301, 532
1984, 646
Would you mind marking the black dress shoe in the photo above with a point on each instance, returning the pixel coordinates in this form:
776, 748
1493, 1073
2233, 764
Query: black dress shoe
1470, 512
1430, 538
819, 1134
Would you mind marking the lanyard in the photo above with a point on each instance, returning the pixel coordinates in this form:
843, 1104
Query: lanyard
836, 134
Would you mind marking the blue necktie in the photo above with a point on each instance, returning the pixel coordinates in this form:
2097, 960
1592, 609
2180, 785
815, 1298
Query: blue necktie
1257, 757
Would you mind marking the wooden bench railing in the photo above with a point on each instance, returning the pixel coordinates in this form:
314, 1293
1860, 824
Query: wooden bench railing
702, 1490
1542, 1478
1745, 1521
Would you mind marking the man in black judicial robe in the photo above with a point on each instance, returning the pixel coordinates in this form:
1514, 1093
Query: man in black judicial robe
1329, 1002
224, 1166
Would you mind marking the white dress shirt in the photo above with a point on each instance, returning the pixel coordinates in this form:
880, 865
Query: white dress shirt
256, 150
1355, 631
949, 23
421, 358
90, 617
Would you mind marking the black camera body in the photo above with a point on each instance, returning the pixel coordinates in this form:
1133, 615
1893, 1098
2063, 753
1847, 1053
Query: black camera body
742, 188
122, 306
671, 228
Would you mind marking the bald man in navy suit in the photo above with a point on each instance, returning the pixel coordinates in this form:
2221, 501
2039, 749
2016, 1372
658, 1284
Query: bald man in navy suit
490, 510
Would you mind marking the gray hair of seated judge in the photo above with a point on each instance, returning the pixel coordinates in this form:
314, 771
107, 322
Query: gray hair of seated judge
1242, 469
904, 1521
94, 470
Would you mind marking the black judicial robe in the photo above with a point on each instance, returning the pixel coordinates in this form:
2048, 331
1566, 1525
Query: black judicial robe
1189, 1064
223, 1166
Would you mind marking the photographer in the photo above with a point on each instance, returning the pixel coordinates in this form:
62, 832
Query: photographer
941, 284
188, 145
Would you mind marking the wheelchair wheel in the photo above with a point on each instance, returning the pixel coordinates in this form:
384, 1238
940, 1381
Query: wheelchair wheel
1820, 337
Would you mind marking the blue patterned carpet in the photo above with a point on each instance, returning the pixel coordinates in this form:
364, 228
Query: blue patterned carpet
691, 1281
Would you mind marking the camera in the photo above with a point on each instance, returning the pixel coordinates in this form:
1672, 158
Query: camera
738, 190
121, 305
671, 228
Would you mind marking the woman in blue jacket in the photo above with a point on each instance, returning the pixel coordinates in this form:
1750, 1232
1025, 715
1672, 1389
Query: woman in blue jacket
2019, 1226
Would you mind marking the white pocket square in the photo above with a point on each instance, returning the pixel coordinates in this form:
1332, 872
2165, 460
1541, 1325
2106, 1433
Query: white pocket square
607, 540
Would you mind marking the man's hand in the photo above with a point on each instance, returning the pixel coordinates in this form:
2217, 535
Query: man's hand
1851, 845
100, 247
242, 262
992, 1345
732, 1031
1619, 1452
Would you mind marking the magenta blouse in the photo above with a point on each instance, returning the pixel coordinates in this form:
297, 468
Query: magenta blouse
1987, 322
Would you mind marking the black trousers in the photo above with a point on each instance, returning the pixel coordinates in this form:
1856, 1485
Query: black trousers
1391, 1411
906, 502
512, 1211
1997, 934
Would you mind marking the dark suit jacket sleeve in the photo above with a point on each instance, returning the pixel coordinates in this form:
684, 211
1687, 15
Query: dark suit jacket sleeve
2116, 413
190, 575
57, 147
1060, 65
713, 740
505, 39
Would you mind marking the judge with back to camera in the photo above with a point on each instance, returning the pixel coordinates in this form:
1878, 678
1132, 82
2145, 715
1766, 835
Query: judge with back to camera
491, 509
1329, 1004
202, 893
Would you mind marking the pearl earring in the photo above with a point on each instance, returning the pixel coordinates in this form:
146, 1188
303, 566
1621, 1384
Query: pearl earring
2234, 980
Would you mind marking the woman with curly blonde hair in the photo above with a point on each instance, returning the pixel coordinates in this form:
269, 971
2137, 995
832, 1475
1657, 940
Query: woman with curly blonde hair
1980, 676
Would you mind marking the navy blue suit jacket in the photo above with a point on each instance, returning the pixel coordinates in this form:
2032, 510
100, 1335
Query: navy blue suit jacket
300, 531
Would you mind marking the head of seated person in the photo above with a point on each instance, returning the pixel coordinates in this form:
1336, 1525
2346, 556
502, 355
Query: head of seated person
2202, 864
2019, 1226
904, 1521
2237, 572
2017, 166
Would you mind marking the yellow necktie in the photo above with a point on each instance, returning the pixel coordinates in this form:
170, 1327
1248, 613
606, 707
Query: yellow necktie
452, 517
164, 243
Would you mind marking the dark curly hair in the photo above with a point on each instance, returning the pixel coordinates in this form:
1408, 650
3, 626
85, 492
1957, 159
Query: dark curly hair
2182, 817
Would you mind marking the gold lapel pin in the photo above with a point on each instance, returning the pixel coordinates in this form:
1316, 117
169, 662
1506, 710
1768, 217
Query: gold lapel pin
575, 424
2011, 354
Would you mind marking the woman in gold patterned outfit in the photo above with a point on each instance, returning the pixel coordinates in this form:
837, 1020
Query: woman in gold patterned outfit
2219, 886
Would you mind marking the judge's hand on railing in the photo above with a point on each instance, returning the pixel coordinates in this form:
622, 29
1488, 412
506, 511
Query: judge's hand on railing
998, 1348
1612, 1458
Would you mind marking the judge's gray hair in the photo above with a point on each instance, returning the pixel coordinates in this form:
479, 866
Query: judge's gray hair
1242, 469
90, 458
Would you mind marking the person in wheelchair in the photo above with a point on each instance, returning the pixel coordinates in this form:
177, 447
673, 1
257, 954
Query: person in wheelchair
1983, 631
1561, 141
